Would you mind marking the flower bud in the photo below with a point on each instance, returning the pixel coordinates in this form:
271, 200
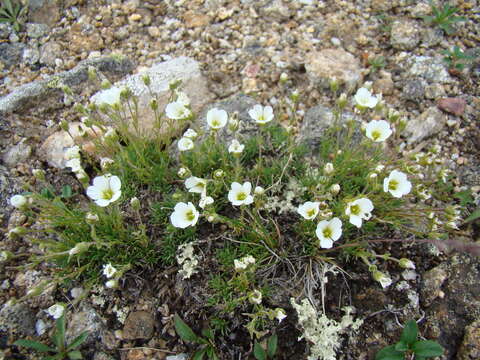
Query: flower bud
259, 190
283, 78
135, 203
56, 311
105, 163
16, 232
295, 96
154, 104
334, 84
372, 176
112, 284
183, 172
406, 263
18, 201
39, 174
233, 122
79, 248
125, 94
328, 168
106, 84
92, 73
174, 84
382, 278
5, 256
177, 196
255, 297
335, 189
146, 80
279, 314
342, 101
91, 218
218, 174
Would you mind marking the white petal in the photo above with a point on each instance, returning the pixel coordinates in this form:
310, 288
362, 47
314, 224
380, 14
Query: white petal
116, 196
247, 187
365, 204
236, 186
356, 220
115, 183
94, 193
101, 182
248, 200
102, 202
326, 243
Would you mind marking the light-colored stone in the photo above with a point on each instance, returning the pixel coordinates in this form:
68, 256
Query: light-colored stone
17, 154
49, 52
194, 19
17, 319
44, 11
139, 325
323, 65
194, 84
429, 123
470, 347
431, 69
405, 34
54, 147
431, 285
86, 320
276, 10
36, 31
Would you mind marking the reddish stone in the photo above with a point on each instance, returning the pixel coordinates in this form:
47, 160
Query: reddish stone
455, 106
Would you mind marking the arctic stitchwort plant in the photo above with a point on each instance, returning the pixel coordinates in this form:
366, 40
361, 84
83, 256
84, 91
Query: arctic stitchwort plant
252, 211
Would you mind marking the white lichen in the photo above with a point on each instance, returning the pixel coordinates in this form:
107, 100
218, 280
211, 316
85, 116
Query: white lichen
323, 333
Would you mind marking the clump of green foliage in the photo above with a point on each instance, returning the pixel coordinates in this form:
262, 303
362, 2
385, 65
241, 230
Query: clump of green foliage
409, 346
12, 13
261, 354
444, 17
206, 343
376, 63
456, 58
61, 350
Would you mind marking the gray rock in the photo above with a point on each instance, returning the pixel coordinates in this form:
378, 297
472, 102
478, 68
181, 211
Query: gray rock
31, 55
139, 325
470, 347
405, 34
323, 65
5, 31
49, 52
17, 154
44, 11
102, 356
414, 90
14, 38
17, 319
35, 93
276, 10
434, 91
431, 69
429, 123
431, 285
431, 37
181, 356
236, 104
194, 84
86, 320
11, 54
36, 31
320, 118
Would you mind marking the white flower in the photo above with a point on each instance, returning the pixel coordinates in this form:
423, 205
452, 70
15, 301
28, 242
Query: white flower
244, 262
184, 215
335, 189
56, 311
280, 314
309, 210
72, 153
328, 168
217, 118
328, 232
240, 194
235, 147
382, 278
74, 164
105, 162
109, 96
112, 284
110, 134
406, 263
182, 172
109, 270
255, 297
204, 201
18, 201
105, 190
261, 114
259, 190
182, 98
397, 184
358, 211
378, 130
177, 111
196, 185
185, 144
364, 98
190, 133
380, 168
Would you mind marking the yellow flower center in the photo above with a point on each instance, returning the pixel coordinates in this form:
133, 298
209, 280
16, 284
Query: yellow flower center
241, 196
215, 123
311, 212
327, 232
393, 185
107, 194
355, 209
189, 215
376, 134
